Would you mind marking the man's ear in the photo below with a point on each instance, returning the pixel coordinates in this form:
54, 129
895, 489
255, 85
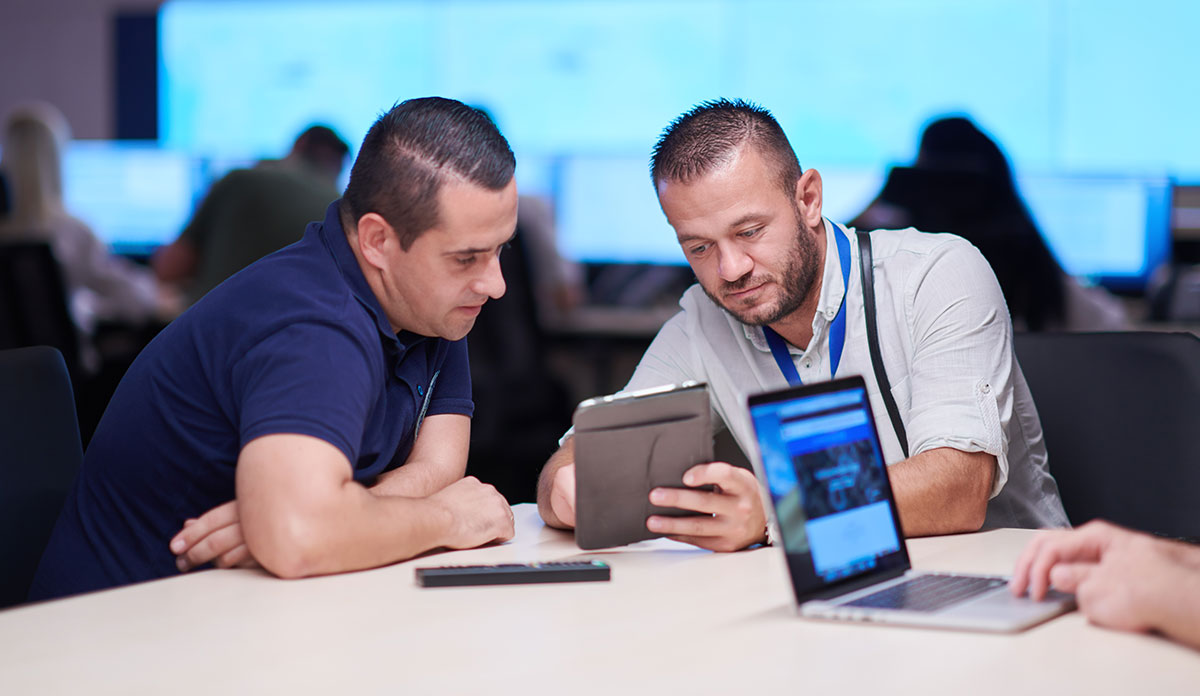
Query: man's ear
377, 241
809, 198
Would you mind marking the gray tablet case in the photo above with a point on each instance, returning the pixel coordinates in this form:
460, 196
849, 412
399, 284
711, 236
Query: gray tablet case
626, 445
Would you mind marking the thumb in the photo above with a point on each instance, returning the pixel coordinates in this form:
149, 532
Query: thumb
1068, 576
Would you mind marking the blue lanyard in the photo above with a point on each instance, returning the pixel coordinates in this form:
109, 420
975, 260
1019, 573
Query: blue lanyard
837, 329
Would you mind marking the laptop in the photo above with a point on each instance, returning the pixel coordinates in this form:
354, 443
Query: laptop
839, 528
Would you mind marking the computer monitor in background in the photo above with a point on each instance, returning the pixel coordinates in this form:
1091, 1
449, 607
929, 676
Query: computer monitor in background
135, 195
1111, 229
607, 211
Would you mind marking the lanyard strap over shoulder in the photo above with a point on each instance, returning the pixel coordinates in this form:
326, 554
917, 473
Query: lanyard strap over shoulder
881, 378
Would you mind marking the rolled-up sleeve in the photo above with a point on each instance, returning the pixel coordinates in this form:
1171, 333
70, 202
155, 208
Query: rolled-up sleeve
962, 364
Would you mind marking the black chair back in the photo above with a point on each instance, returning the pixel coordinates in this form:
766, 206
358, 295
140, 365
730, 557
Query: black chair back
1119, 413
39, 438
34, 309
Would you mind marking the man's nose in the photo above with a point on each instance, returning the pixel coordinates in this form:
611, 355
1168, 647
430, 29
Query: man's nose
491, 283
732, 262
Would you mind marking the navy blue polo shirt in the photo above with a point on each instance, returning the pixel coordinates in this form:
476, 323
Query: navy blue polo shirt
295, 343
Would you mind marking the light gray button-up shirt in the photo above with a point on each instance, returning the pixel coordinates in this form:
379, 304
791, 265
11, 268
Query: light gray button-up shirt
946, 341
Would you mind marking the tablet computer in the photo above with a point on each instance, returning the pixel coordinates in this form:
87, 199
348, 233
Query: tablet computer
628, 444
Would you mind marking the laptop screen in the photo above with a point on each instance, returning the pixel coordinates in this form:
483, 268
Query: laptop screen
828, 482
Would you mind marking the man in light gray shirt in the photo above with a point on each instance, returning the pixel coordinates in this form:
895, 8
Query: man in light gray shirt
772, 270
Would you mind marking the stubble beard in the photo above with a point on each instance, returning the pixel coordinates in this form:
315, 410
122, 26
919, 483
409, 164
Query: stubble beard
799, 276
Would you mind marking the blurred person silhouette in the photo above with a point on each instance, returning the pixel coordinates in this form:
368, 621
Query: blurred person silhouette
556, 283
100, 286
249, 213
522, 405
962, 182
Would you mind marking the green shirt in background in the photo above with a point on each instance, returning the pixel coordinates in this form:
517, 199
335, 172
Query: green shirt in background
250, 213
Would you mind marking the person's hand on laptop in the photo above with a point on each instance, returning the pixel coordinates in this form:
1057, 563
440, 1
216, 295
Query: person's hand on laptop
734, 516
1121, 579
1063, 558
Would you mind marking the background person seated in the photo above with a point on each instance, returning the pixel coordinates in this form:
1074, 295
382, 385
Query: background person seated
962, 183
100, 285
250, 213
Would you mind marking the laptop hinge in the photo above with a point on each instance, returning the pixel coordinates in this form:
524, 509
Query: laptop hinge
855, 584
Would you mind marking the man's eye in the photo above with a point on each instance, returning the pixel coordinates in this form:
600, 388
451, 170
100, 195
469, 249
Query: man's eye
750, 233
465, 260
698, 249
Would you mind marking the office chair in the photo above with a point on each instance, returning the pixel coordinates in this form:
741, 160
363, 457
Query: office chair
1119, 413
521, 406
34, 308
42, 455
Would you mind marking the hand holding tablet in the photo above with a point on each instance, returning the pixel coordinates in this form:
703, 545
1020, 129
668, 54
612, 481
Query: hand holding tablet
625, 446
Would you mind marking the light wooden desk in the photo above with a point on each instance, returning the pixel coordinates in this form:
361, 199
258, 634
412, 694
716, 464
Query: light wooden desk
673, 620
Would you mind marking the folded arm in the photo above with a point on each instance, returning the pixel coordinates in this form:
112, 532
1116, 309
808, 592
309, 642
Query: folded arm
303, 514
414, 500
438, 458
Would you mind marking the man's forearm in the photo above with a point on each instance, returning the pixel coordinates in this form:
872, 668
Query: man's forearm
943, 491
438, 459
351, 531
417, 479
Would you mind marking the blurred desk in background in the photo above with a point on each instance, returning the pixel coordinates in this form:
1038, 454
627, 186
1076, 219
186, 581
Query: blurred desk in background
602, 344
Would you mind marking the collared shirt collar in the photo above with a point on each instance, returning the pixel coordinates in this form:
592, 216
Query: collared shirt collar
832, 291
334, 238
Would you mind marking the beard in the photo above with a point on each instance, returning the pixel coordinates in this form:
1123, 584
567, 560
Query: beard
794, 284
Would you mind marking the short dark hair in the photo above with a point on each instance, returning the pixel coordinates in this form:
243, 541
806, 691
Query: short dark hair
411, 150
712, 132
318, 136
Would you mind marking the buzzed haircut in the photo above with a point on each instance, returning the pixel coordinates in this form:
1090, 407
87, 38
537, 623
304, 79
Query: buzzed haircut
412, 150
710, 134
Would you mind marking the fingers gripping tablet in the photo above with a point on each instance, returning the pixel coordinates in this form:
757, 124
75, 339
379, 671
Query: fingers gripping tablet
628, 444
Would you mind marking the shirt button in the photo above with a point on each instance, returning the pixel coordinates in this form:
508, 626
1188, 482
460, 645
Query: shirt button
830, 314
986, 389
807, 364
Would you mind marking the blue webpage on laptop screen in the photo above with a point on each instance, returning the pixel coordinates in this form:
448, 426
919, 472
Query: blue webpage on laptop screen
827, 479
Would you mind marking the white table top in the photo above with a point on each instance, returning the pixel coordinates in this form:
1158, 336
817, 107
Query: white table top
674, 619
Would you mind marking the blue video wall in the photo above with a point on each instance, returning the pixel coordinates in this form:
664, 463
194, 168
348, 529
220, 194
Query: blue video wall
1095, 92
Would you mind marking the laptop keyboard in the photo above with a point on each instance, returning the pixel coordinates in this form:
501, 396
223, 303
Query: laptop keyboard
928, 592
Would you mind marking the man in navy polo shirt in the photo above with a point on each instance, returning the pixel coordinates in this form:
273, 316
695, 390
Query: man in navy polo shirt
312, 413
